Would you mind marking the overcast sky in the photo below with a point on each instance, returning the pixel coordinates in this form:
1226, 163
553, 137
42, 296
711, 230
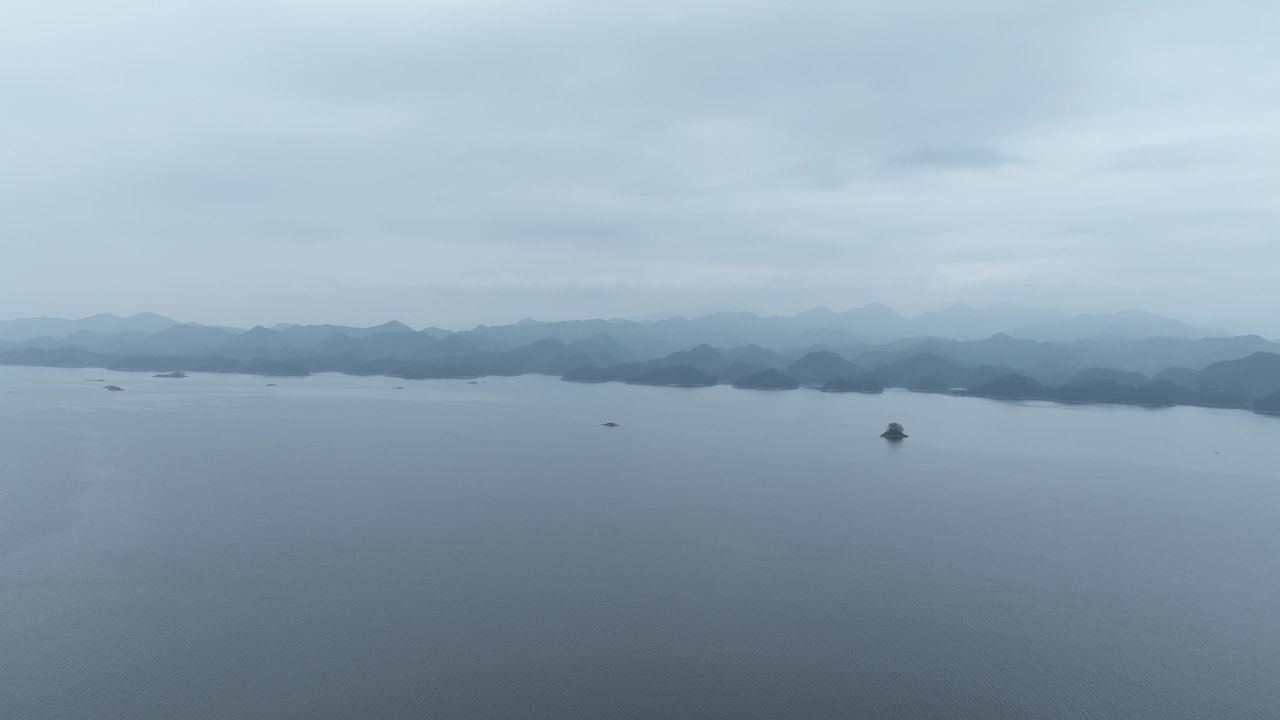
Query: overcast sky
470, 161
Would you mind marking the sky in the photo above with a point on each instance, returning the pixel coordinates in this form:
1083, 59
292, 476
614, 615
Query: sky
479, 161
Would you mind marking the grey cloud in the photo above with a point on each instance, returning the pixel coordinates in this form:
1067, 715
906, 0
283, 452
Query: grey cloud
953, 158
458, 162
1159, 158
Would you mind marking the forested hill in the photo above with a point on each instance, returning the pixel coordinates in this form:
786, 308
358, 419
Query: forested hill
816, 350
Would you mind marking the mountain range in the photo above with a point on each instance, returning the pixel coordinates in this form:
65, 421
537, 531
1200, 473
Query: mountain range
872, 323
104, 323
1004, 351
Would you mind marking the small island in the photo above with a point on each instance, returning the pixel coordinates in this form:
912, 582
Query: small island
610, 424
176, 374
895, 431
114, 388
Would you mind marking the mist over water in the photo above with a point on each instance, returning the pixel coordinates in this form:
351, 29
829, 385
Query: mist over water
334, 548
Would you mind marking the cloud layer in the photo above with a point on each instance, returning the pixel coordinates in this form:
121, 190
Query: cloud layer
459, 162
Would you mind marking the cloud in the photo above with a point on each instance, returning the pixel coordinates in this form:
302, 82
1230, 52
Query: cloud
953, 158
1157, 158
459, 162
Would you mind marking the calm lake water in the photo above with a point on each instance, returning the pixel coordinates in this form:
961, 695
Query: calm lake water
335, 548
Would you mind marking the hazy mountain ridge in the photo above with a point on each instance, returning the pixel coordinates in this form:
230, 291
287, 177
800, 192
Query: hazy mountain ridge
106, 323
874, 323
1226, 371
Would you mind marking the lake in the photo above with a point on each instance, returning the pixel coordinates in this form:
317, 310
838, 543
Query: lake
332, 547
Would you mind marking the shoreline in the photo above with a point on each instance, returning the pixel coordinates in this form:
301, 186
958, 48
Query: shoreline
953, 392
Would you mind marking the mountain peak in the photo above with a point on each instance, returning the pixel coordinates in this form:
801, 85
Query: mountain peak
392, 326
821, 311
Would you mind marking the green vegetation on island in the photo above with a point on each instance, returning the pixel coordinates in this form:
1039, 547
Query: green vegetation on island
834, 352
770, 379
858, 384
821, 367
895, 431
676, 376
1268, 405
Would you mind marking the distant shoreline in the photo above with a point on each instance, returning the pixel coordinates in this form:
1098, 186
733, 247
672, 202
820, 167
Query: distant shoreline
924, 391
832, 352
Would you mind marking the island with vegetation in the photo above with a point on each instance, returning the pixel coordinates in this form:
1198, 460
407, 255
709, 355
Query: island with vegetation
817, 368
770, 379
1268, 405
832, 352
857, 384
683, 376
895, 431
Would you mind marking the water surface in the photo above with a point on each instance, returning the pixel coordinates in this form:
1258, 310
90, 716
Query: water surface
334, 548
